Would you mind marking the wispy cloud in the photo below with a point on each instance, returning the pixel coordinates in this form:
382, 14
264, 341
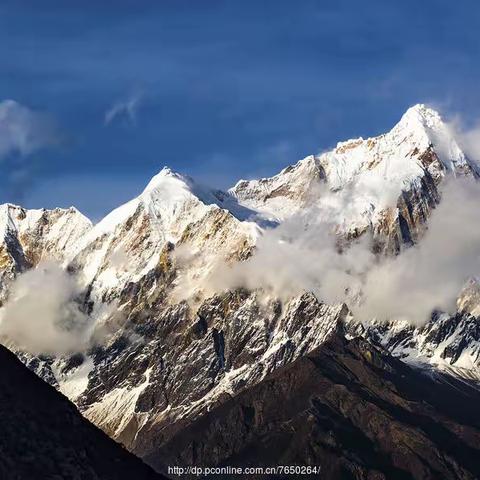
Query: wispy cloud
24, 131
126, 109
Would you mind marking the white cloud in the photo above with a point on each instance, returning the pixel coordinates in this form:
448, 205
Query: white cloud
302, 254
127, 108
23, 130
41, 314
430, 275
299, 255
469, 139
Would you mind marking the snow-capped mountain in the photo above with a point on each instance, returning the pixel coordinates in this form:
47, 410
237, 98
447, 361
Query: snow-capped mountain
448, 343
28, 236
137, 239
167, 349
387, 184
157, 248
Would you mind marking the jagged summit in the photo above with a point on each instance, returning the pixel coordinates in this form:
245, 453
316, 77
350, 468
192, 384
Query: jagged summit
160, 199
18, 212
283, 194
416, 119
169, 186
166, 195
373, 172
426, 128
172, 211
424, 114
28, 236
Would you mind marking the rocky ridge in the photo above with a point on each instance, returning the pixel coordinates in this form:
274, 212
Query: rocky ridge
345, 408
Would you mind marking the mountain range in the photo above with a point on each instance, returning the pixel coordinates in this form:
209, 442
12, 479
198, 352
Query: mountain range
190, 333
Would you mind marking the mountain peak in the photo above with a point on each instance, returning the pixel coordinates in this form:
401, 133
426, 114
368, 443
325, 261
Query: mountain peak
423, 110
376, 169
420, 115
164, 177
424, 128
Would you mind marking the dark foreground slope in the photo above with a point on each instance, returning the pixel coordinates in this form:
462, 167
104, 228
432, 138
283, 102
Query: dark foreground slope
43, 436
350, 409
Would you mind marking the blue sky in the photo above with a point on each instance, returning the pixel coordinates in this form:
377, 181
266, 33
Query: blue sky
218, 90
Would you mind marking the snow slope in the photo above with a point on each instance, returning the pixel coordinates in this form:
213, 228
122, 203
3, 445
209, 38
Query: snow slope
143, 235
358, 181
29, 236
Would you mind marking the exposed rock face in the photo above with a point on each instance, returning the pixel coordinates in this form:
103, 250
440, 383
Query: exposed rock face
183, 365
44, 436
450, 343
135, 242
28, 236
345, 407
285, 193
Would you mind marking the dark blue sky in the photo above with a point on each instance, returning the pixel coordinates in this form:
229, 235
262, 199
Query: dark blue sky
218, 90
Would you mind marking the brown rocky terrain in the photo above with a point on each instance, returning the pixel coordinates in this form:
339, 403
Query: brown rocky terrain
347, 407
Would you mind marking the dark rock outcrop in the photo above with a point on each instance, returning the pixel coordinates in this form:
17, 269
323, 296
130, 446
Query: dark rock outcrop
348, 408
43, 436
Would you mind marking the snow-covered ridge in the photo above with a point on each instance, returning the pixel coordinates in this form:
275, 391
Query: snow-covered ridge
446, 343
283, 194
357, 185
16, 219
139, 237
372, 171
28, 236
164, 196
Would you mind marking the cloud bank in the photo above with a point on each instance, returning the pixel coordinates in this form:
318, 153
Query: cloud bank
41, 314
303, 254
430, 275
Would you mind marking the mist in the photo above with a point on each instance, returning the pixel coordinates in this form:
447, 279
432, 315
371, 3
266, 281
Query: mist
305, 254
41, 315
468, 138
430, 275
